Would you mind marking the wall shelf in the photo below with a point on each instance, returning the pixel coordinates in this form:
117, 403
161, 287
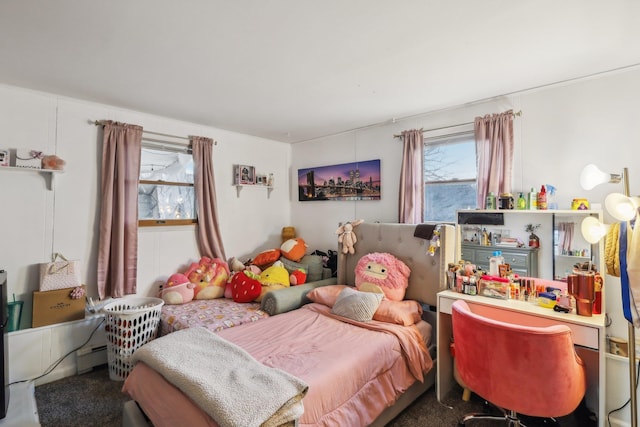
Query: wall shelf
47, 174
239, 188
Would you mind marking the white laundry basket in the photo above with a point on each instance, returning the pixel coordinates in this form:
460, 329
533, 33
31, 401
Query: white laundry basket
130, 323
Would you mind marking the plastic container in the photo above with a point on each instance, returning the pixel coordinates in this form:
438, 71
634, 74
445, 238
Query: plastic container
494, 263
491, 201
130, 323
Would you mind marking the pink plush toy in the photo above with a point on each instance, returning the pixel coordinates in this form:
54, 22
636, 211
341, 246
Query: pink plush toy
210, 277
383, 273
177, 290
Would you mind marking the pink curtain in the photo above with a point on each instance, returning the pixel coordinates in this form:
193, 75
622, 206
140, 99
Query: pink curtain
208, 229
118, 247
494, 147
412, 178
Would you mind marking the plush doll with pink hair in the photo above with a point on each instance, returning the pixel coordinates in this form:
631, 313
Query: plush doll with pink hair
382, 273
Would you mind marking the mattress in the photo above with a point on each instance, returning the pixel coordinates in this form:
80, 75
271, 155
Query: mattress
213, 314
375, 363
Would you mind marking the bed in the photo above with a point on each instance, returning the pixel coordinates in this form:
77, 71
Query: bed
319, 348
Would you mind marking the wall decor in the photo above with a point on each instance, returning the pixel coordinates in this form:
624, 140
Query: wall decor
244, 175
347, 181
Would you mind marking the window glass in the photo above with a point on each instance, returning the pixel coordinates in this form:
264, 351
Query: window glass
166, 194
450, 175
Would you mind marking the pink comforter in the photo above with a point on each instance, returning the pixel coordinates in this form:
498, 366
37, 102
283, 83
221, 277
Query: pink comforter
353, 373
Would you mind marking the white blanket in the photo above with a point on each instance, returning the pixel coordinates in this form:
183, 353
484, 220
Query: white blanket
225, 380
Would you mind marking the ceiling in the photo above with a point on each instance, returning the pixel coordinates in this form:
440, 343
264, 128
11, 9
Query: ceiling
295, 70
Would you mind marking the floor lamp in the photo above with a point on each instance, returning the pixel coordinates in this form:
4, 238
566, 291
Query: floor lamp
623, 208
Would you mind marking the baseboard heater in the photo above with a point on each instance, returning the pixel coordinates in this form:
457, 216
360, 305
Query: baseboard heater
89, 357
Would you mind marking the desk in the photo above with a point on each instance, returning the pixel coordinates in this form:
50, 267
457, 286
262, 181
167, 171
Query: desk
588, 335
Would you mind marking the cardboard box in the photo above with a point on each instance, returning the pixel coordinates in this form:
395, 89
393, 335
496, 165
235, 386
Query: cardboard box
57, 306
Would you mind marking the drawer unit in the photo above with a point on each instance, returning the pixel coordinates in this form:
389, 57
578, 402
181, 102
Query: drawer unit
523, 261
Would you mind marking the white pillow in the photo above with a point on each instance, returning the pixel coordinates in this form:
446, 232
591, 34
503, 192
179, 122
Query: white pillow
356, 305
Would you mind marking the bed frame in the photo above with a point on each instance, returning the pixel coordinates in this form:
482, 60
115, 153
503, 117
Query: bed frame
428, 277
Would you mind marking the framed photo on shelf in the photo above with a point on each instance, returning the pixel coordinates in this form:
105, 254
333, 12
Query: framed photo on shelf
245, 175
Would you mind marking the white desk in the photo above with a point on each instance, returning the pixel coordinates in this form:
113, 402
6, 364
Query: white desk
588, 334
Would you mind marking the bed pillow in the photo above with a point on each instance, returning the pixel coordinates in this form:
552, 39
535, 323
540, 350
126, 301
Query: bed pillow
356, 305
407, 312
326, 295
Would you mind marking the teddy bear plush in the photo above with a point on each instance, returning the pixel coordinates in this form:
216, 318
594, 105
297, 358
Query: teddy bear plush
177, 290
347, 237
382, 272
210, 277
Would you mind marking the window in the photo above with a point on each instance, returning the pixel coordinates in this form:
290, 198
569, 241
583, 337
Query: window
166, 194
450, 176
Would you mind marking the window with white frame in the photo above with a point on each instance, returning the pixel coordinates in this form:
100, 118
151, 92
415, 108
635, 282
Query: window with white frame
450, 176
166, 193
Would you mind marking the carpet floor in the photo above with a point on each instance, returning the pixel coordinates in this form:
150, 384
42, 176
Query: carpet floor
92, 399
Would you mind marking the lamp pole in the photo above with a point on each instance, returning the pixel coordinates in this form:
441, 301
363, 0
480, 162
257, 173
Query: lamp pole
631, 337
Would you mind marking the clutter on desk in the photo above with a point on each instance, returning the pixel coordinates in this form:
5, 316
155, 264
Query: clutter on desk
578, 295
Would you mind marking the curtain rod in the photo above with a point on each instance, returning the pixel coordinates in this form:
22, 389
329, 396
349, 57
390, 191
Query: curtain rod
518, 113
102, 122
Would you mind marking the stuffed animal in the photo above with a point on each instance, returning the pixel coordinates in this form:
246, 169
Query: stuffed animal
347, 237
382, 272
53, 162
293, 249
298, 277
273, 278
210, 276
177, 290
245, 286
250, 270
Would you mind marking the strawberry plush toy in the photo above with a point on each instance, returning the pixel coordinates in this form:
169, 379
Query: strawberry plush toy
245, 286
298, 277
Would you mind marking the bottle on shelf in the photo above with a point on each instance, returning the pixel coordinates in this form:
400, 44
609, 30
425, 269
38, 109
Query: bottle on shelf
494, 263
522, 202
533, 199
542, 199
491, 201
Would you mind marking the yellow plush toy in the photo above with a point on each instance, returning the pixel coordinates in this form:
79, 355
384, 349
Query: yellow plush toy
272, 278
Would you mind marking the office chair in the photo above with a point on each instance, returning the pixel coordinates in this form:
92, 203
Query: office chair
522, 370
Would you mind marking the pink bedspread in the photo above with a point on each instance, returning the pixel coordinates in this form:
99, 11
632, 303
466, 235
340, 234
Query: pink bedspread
353, 372
213, 314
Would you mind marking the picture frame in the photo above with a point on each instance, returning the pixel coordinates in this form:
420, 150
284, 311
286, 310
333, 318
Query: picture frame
245, 175
342, 182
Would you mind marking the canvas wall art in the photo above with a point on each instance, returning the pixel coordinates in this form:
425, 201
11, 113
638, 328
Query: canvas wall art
347, 181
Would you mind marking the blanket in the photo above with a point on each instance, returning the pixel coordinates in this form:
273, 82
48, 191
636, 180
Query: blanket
225, 380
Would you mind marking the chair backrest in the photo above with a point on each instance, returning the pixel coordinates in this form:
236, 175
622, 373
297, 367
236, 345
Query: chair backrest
531, 370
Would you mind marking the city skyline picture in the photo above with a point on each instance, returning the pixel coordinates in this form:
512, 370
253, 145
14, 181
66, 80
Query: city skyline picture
346, 181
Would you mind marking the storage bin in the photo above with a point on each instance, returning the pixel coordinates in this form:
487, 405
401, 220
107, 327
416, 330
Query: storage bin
131, 322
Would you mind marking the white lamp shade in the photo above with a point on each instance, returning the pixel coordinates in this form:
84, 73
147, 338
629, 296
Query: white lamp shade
621, 207
593, 230
592, 176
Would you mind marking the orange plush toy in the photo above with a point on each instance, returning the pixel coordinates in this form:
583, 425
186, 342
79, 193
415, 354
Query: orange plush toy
293, 249
210, 277
53, 162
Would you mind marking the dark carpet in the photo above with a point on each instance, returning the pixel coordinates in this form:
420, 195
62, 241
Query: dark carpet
92, 399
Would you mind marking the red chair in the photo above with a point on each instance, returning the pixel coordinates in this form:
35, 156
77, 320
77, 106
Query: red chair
523, 370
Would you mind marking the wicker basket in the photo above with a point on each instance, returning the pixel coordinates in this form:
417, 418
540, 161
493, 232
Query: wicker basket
130, 323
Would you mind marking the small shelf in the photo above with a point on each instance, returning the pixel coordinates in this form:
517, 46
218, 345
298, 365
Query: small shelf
239, 187
48, 174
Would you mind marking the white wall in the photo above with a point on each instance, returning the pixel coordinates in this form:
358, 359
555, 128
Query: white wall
562, 128
37, 221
